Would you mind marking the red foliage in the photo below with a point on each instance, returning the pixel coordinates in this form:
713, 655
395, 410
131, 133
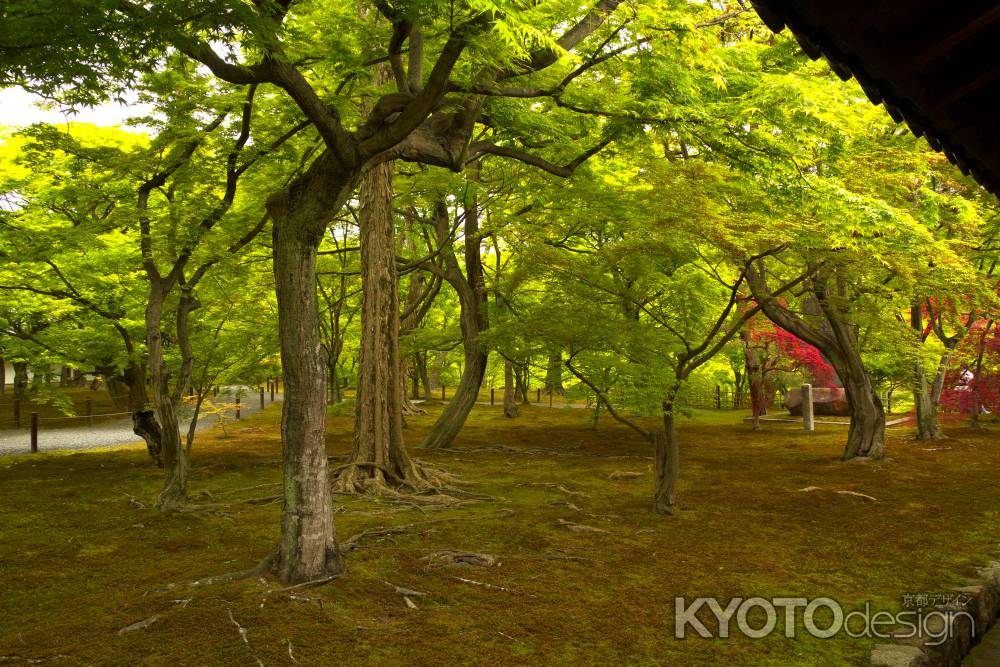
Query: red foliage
802, 355
974, 383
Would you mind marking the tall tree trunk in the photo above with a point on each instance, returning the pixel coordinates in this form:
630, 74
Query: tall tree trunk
666, 452
755, 379
866, 436
977, 403
927, 421
521, 383
425, 380
20, 380
308, 548
378, 458
473, 320
175, 463
509, 393
837, 339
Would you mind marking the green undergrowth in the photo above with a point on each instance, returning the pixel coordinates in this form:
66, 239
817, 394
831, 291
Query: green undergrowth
82, 552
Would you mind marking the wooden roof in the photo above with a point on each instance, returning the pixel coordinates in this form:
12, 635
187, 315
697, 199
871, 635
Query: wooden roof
934, 64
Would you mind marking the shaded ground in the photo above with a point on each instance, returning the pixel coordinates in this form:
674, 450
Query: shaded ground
78, 559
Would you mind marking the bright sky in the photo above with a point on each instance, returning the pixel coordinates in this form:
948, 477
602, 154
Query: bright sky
19, 107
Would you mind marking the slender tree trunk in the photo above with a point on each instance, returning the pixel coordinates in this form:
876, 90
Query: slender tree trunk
20, 380
927, 422
378, 457
3, 376
521, 383
666, 452
473, 320
755, 379
175, 463
510, 409
977, 403
308, 548
425, 380
406, 407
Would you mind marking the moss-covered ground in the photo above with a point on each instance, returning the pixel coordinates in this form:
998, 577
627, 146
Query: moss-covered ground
82, 552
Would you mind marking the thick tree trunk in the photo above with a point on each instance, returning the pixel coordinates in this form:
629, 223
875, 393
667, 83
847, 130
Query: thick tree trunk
144, 424
927, 422
866, 436
837, 339
308, 548
378, 458
553, 375
510, 409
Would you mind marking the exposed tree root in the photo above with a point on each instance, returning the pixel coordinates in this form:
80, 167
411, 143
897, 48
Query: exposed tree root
448, 557
381, 533
265, 565
420, 485
557, 487
624, 474
541, 451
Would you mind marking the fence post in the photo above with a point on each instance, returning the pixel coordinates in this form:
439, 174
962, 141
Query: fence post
271, 384
538, 395
493, 396
34, 431
90, 412
718, 397
807, 408
17, 413
442, 392
262, 398
237, 407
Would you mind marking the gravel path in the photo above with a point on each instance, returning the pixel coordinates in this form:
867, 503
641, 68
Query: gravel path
113, 433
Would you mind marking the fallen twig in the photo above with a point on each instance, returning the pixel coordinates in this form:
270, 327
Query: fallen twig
579, 527
139, 625
841, 492
481, 583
